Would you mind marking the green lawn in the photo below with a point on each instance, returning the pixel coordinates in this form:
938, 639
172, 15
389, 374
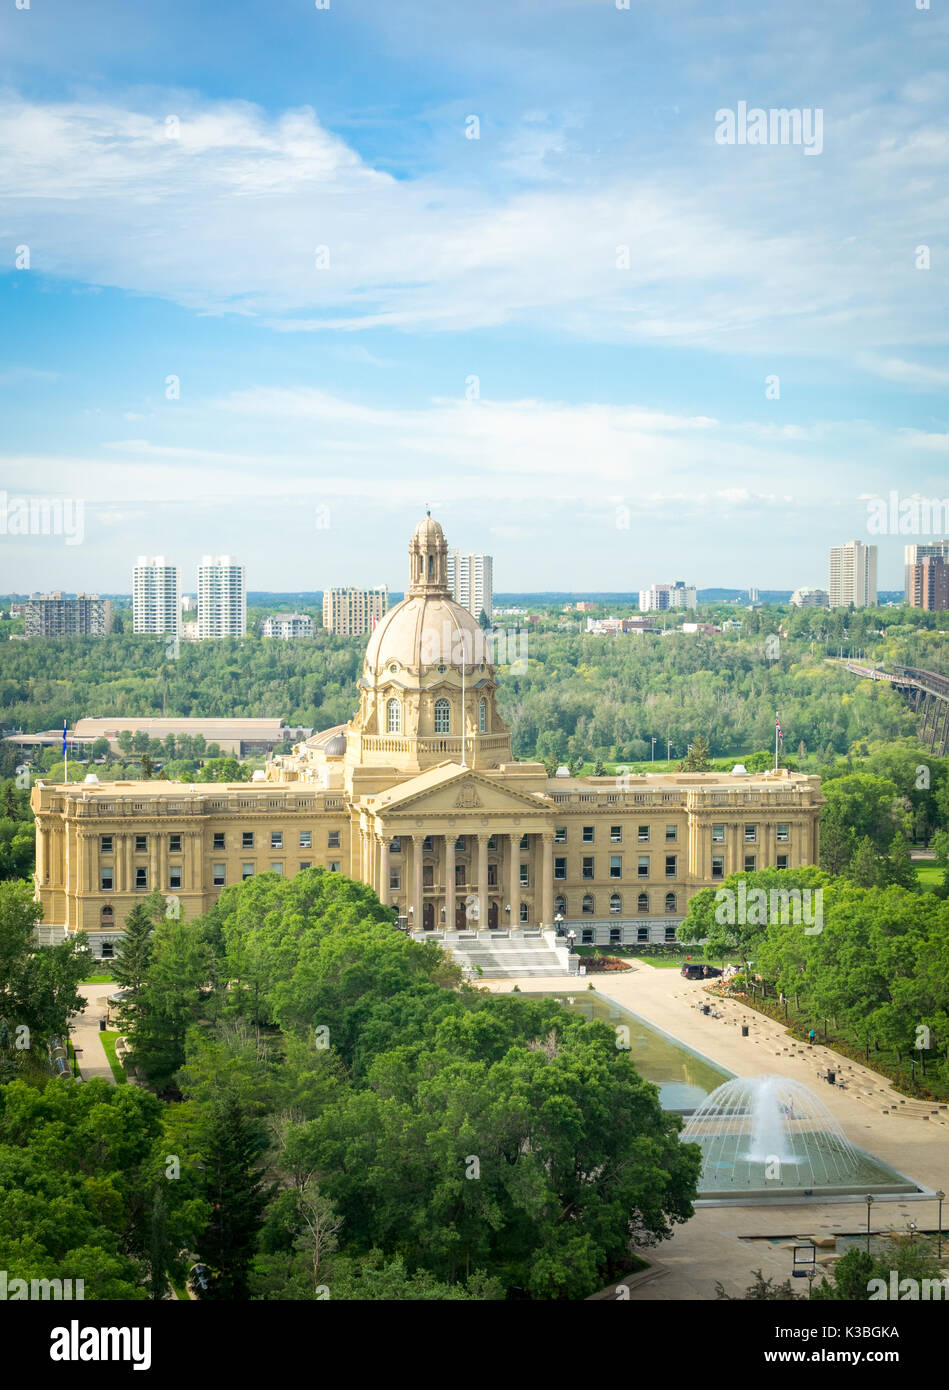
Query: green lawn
118, 1071
99, 980
928, 874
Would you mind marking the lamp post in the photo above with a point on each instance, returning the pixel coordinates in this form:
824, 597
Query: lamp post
940, 1197
869, 1205
558, 923
571, 939
668, 750
654, 748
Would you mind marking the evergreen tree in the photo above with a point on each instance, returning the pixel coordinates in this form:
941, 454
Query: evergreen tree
233, 1189
135, 949
865, 869
696, 760
897, 867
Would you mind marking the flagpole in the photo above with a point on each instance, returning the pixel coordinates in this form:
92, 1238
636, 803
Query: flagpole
776, 740
65, 752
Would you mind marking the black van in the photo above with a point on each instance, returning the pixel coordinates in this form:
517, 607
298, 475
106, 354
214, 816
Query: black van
697, 971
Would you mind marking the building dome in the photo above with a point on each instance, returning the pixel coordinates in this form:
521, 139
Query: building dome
423, 632
562, 771
336, 746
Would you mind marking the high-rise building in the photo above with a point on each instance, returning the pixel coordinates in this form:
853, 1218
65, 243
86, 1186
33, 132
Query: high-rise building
928, 583
471, 582
288, 626
51, 615
222, 600
156, 600
853, 575
352, 612
661, 596
914, 555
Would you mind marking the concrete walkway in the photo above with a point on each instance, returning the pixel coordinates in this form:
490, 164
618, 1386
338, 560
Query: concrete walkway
84, 1032
726, 1242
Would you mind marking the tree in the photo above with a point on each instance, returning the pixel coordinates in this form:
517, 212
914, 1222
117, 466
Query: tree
130, 967
100, 748
897, 867
866, 869
148, 767
37, 984
763, 1290
232, 1186
169, 1002
697, 759
124, 741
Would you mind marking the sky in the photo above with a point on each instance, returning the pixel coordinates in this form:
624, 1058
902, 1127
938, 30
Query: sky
274, 278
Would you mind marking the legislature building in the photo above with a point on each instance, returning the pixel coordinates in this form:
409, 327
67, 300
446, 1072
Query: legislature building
420, 796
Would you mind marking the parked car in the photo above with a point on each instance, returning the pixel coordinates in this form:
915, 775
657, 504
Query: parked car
696, 970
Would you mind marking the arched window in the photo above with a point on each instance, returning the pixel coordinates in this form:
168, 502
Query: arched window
560, 904
442, 717
524, 916
106, 915
393, 717
483, 717
586, 907
431, 566
643, 902
616, 903
670, 902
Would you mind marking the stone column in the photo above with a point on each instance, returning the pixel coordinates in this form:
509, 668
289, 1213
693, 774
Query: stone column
41, 834
512, 893
382, 891
482, 879
164, 877
154, 871
547, 881
417, 841
449, 864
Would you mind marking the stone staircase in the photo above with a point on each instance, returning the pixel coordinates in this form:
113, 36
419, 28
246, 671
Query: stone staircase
507, 954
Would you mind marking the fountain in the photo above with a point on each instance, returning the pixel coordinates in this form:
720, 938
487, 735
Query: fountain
771, 1136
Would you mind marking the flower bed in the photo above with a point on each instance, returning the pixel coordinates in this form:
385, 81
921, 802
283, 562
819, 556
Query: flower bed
604, 964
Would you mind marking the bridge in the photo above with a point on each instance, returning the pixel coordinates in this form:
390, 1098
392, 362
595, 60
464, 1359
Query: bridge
926, 691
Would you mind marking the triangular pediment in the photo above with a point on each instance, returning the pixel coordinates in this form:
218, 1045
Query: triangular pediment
450, 789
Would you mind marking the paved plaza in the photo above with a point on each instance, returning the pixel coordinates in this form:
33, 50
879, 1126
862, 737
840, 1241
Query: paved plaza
726, 1242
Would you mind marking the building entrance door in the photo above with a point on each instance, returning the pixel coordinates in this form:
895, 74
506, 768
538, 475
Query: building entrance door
428, 917
492, 915
461, 917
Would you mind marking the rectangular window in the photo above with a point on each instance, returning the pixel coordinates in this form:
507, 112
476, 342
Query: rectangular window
105, 844
174, 876
276, 867
560, 835
306, 839
141, 844
106, 881
615, 935
671, 861
247, 839
492, 842
718, 866
718, 834
587, 866
247, 871
395, 880
525, 842
396, 845
560, 867
642, 867
218, 840
276, 839
588, 834
670, 933
616, 866
461, 875
782, 861
524, 917
751, 834
461, 844
174, 844
305, 864
428, 875
586, 936
492, 875
784, 833
218, 875
332, 840
642, 933
616, 834
108, 950
672, 832
334, 866
141, 878
525, 882
427, 845
750, 861
642, 834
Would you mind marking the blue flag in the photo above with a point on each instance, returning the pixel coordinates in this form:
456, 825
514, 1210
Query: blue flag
64, 738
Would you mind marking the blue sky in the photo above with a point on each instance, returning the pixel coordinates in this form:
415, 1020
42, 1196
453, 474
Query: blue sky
559, 334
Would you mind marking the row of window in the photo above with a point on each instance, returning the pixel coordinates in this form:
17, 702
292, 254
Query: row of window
781, 861
616, 935
107, 842
218, 874
588, 904
442, 716
588, 866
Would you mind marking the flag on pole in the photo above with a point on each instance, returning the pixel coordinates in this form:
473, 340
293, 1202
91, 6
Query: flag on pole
64, 738
777, 725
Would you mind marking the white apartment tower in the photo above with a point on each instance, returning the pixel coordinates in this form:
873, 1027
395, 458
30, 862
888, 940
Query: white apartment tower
853, 575
471, 581
222, 600
156, 596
